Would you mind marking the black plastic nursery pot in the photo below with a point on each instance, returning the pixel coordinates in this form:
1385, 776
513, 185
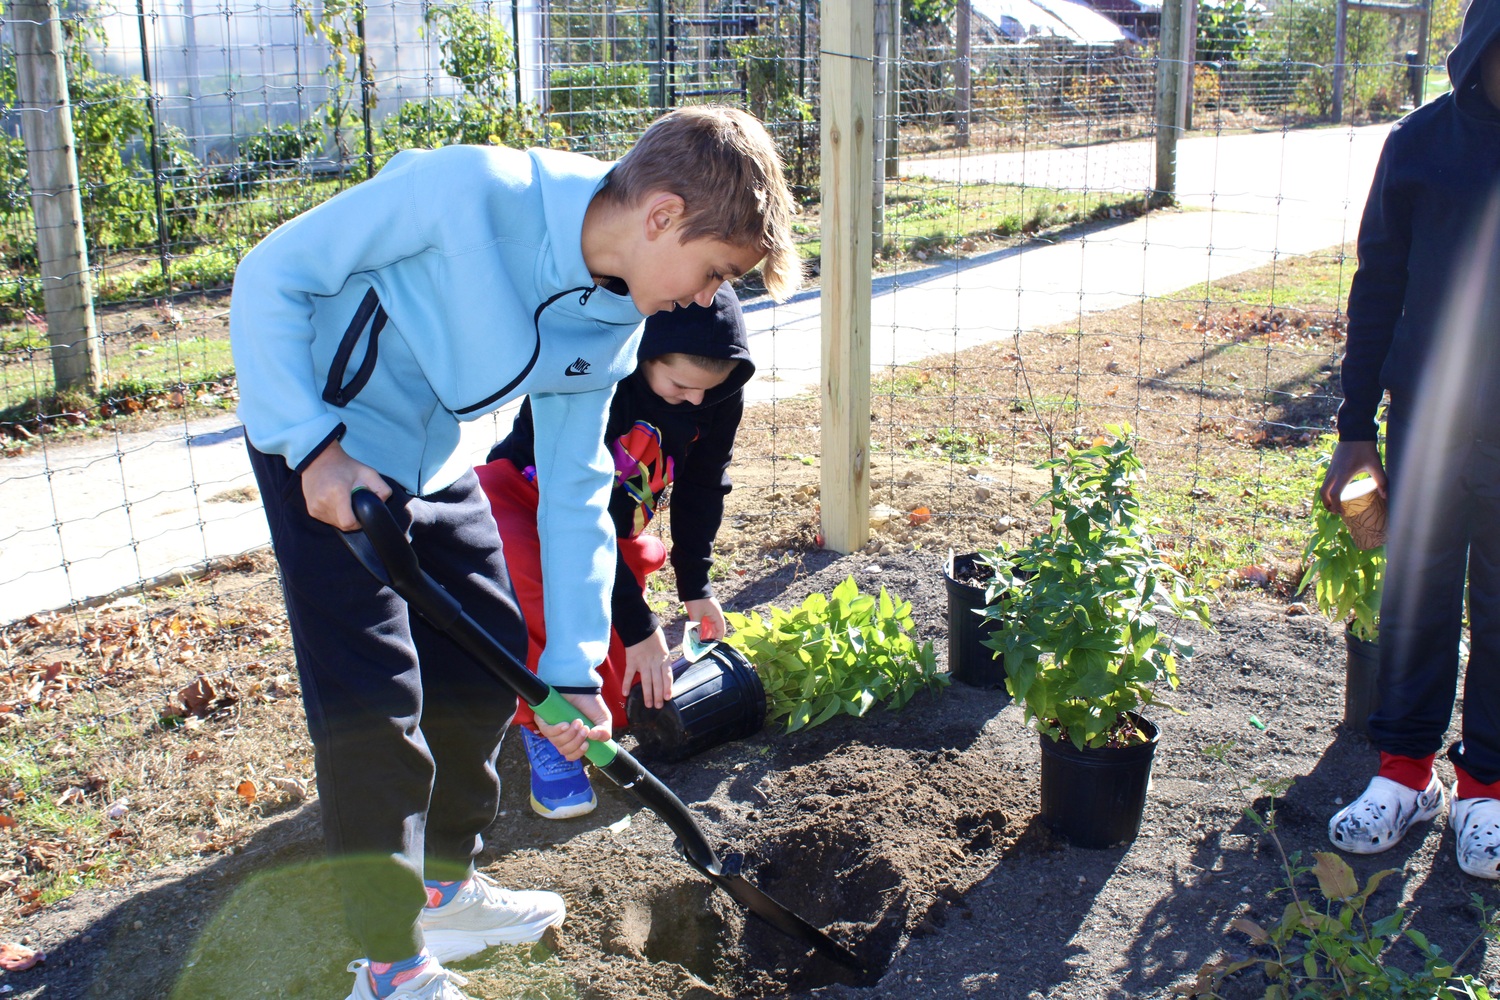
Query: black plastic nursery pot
1361, 681
717, 699
969, 660
1095, 798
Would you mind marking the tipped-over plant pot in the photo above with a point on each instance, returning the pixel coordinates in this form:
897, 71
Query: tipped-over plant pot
714, 700
1096, 797
970, 661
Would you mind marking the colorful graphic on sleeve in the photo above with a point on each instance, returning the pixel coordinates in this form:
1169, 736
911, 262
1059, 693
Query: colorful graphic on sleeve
641, 470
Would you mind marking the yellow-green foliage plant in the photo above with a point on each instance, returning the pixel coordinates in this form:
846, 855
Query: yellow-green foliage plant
838, 654
1345, 579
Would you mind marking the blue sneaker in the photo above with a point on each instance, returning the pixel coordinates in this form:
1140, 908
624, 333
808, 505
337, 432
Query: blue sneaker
560, 787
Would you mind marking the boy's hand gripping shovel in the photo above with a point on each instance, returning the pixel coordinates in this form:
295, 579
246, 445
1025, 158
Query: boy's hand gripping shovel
384, 550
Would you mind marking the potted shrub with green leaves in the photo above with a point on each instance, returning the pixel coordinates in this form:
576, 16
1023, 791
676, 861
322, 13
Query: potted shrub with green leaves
1080, 611
836, 654
1346, 582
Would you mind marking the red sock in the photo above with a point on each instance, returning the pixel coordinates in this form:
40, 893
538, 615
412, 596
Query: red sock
1413, 772
1470, 787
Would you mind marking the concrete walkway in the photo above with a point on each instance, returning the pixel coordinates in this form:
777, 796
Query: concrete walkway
85, 521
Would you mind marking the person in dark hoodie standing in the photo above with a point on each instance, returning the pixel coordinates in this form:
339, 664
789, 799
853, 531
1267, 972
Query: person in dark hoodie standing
1437, 172
671, 424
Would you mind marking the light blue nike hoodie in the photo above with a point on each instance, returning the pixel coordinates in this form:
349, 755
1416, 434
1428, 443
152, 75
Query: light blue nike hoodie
447, 285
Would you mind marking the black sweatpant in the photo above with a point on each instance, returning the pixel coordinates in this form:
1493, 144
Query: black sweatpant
1444, 525
405, 725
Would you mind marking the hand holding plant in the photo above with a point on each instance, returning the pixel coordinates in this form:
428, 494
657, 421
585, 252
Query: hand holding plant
1347, 579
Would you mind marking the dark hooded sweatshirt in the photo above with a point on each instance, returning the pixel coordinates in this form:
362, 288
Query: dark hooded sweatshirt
1437, 170
657, 444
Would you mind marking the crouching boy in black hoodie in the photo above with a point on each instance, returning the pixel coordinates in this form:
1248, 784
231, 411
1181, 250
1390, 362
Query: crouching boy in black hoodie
671, 424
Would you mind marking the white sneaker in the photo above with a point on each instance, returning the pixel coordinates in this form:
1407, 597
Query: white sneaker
484, 914
1476, 823
435, 984
1378, 819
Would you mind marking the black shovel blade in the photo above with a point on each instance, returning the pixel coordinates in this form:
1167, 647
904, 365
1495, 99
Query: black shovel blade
773, 913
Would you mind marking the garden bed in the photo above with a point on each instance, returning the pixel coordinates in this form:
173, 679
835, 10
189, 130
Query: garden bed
911, 837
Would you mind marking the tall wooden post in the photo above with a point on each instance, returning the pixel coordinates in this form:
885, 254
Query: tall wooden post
1168, 80
1188, 46
848, 85
47, 128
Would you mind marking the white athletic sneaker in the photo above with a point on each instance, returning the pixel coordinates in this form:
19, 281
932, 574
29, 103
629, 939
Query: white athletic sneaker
436, 984
1378, 819
1476, 823
484, 914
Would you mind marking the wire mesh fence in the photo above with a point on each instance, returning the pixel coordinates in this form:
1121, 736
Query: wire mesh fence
1026, 296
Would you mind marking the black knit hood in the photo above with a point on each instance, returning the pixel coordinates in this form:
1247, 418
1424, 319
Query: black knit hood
715, 331
1481, 28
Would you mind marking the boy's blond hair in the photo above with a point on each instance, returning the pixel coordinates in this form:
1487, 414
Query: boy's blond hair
722, 163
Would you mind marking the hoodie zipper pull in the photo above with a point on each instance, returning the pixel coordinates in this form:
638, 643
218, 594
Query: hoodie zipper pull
583, 299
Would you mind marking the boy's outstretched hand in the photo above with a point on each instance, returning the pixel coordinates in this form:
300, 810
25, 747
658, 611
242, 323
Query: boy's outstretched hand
1350, 458
651, 661
330, 478
572, 738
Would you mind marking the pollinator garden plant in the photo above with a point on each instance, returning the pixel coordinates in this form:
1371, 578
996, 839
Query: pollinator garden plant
836, 654
1079, 606
1346, 581
1079, 624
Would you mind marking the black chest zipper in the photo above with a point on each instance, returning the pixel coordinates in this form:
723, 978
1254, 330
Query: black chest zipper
335, 389
536, 351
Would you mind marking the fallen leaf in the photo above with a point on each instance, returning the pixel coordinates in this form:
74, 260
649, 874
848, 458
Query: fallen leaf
15, 957
6, 822
290, 785
246, 791
118, 809
919, 516
197, 696
73, 796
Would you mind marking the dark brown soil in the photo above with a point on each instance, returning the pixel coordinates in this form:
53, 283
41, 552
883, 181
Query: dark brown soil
912, 837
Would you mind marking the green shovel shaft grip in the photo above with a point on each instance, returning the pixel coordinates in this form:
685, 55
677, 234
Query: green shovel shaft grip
556, 710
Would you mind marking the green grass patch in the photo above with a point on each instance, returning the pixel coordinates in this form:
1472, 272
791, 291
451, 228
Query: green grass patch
1314, 283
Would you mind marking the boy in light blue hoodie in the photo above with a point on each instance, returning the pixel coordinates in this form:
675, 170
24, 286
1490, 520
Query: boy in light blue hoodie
364, 331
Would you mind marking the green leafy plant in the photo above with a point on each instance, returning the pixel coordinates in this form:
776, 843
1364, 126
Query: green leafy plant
1346, 579
838, 654
1078, 606
1327, 943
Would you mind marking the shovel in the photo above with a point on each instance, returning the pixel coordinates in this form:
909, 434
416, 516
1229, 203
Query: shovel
383, 549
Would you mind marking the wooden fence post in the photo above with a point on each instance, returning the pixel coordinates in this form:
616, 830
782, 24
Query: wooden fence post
848, 108
1168, 82
47, 128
